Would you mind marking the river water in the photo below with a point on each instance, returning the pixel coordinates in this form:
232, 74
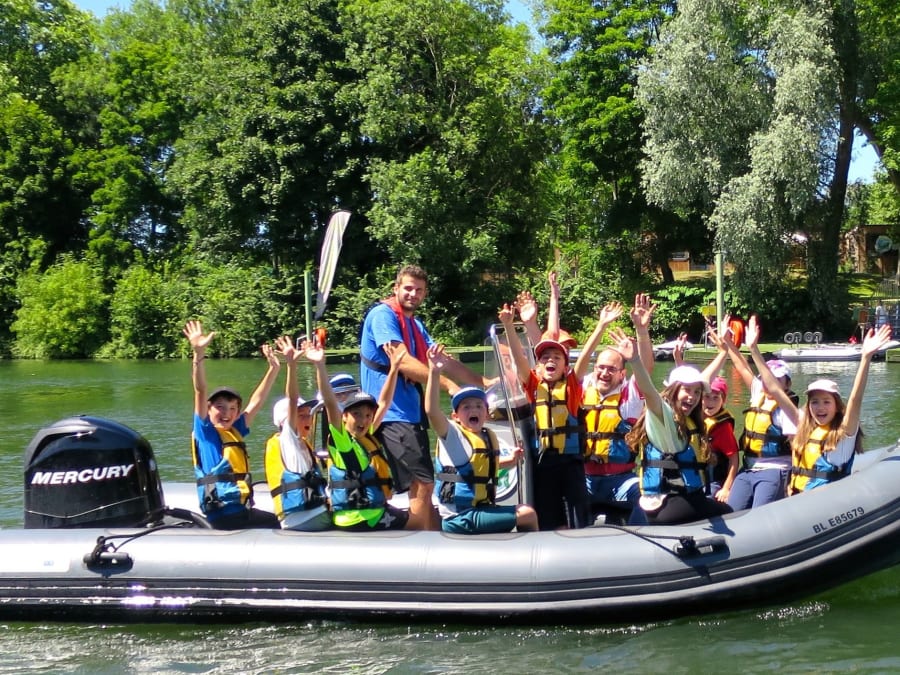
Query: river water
848, 629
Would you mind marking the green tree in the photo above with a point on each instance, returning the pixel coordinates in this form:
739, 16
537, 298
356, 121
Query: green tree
269, 152
37, 195
243, 303
41, 207
747, 126
147, 312
596, 48
36, 38
128, 93
450, 112
877, 114
62, 311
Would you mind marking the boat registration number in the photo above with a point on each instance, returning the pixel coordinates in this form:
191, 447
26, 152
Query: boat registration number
838, 519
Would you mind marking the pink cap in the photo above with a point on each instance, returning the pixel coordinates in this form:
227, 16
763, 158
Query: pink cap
720, 385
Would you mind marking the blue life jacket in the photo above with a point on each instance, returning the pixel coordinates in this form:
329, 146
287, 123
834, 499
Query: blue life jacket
681, 473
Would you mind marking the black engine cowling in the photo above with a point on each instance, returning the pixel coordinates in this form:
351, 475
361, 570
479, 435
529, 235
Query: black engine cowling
91, 472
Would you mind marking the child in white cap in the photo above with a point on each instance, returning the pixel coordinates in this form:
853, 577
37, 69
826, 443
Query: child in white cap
292, 473
672, 448
468, 460
828, 434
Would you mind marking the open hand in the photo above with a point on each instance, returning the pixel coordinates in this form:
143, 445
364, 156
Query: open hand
642, 312
623, 343
876, 339
526, 306
395, 353
437, 356
285, 346
271, 355
610, 312
751, 333
312, 351
193, 331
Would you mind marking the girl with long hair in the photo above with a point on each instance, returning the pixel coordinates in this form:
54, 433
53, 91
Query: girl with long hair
672, 448
828, 434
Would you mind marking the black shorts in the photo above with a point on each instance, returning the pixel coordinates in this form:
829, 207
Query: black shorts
408, 453
682, 508
245, 520
560, 492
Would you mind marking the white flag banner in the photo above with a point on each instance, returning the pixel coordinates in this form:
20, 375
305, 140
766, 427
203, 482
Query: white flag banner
331, 249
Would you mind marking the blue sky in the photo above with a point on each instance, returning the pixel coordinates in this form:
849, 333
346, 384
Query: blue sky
864, 158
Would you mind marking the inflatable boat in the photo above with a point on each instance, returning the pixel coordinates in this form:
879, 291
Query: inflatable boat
102, 541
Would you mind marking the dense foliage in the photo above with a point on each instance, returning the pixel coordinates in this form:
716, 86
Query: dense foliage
181, 159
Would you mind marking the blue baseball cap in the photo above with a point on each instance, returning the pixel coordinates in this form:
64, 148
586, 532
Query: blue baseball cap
467, 392
342, 381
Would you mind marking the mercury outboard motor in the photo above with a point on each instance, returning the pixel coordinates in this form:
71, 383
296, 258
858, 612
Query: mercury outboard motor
91, 472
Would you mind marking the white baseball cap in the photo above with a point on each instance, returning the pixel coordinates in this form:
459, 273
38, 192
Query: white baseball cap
687, 375
280, 409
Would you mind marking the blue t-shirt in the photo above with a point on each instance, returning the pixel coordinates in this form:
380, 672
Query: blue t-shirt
380, 328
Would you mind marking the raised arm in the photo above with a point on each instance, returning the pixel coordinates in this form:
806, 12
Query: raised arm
261, 393
874, 340
193, 331
641, 315
506, 318
610, 312
770, 382
722, 339
436, 416
626, 347
553, 307
316, 355
285, 346
714, 366
527, 307
396, 353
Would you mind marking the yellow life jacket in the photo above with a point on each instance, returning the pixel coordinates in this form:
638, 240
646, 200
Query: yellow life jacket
379, 462
605, 430
761, 438
475, 482
810, 468
710, 423
558, 430
357, 490
228, 485
290, 490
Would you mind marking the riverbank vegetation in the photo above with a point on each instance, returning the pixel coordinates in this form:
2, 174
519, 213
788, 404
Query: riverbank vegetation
182, 159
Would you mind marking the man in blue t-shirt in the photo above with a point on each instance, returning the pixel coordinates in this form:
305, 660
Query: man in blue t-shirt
403, 432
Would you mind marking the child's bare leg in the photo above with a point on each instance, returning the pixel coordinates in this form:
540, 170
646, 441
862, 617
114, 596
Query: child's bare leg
421, 513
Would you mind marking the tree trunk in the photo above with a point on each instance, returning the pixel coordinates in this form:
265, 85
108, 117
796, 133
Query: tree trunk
824, 245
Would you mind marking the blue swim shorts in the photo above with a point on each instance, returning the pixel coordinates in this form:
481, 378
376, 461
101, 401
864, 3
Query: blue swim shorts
482, 520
